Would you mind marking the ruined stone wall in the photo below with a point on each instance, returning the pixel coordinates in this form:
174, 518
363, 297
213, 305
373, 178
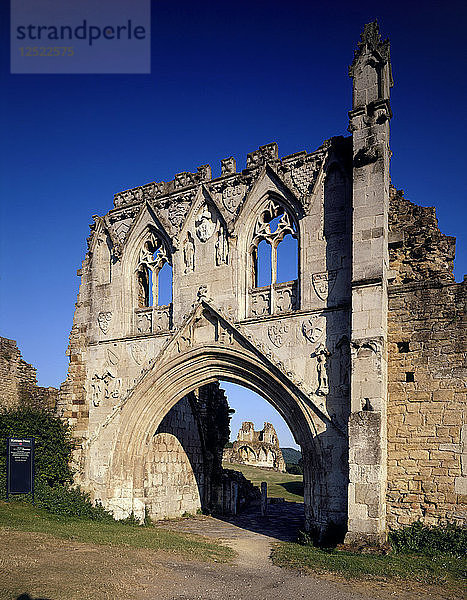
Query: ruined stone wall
256, 448
18, 380
427, 346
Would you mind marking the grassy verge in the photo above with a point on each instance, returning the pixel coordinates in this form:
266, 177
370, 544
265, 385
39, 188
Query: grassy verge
24, 517
280, 485
438, 570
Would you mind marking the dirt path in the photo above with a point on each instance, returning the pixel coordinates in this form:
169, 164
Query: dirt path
252, 576
47, 567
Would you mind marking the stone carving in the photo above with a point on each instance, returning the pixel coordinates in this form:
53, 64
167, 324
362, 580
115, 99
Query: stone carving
112, 357
184, 179
277, 333
322, 354
183, 343
202, 293
177, 212
222, 247
314, 327
286, 298
231, 197
103, 320
343, 349
260, 303
228, 166
161, 319
204, 224
204, 173
225, 335
269, 152
323, 283
138, 353
189, 254
103, 387
144, 322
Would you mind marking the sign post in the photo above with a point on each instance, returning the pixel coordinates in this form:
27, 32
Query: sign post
20, 466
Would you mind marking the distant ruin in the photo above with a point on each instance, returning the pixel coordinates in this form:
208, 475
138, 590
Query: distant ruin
256, 448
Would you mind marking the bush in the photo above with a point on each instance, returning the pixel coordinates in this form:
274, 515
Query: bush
53, 444
293, 469
449, 538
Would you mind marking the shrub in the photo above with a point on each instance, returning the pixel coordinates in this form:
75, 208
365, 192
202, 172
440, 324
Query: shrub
53, 446
53, 443
293, 469
69, 502
449, 538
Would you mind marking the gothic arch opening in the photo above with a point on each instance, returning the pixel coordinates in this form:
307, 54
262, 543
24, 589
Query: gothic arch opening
164, 387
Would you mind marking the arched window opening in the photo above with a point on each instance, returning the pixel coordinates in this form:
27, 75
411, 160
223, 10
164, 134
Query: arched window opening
165, 285
263, 264
287, 259
154, 274
274, 257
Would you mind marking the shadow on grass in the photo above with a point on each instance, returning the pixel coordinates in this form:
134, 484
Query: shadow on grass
293, 487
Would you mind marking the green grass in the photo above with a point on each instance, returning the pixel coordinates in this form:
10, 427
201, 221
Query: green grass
280, 485
433, 570
24, 517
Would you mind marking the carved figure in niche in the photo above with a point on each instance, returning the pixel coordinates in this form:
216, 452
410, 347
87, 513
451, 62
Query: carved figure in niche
323, 283
222, 248
189, 254
322, 354
103, 320
204, 224
277, 333
343, 348
313, 328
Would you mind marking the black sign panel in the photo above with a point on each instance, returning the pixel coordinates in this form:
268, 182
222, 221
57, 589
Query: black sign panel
20, 465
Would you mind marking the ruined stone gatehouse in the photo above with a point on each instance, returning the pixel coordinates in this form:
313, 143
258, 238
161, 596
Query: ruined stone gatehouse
362, 352
256, 448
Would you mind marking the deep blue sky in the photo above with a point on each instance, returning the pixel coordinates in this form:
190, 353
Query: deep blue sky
226, 78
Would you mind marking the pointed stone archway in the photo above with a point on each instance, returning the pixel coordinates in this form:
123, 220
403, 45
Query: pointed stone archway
314, 347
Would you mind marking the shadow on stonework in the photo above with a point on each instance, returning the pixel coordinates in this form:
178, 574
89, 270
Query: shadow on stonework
282, 522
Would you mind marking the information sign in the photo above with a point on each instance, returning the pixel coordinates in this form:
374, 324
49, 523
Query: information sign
20, 466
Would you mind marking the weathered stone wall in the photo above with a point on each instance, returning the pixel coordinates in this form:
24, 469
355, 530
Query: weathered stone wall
18, 380
427, 347
175, 478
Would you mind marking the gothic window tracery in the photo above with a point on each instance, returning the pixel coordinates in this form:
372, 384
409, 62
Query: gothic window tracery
154, 274
274, 259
